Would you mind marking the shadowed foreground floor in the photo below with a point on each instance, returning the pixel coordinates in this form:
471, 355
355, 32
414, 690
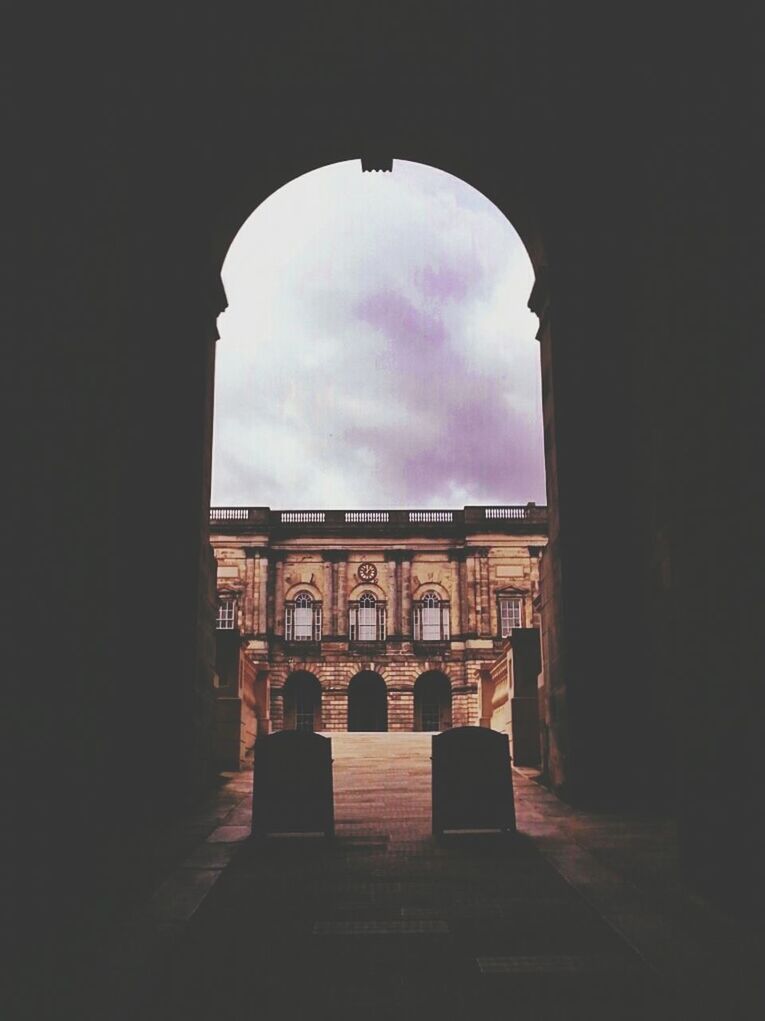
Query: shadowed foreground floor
385, 922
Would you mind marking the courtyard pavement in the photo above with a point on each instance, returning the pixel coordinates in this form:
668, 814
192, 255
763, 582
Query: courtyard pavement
580, 915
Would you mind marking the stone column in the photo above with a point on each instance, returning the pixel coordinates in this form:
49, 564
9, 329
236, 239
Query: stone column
328, 626
472, 602
342, 596
455, 558
262, 581
484, 618
406, 597
250, 594
276, 595
463, 591
394, 627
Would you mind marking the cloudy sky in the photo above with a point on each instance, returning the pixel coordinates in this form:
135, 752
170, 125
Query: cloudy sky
377, 350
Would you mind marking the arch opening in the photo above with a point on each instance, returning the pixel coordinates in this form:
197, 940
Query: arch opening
432, 702
363, 309
302, 702
367, 703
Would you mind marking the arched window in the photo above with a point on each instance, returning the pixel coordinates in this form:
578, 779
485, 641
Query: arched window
430, 619
366, 619
226, 619
302, 619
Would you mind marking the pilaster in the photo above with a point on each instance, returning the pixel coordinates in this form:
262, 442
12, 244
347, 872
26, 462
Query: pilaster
472, 602
330, 622
250, 593
456, 557
406, 597
276, 594
262, 583
396, 619
484, 609
342, 595
393, 601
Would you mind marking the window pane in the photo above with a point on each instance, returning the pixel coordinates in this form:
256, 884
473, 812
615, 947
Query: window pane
510, 615
367, 623
303, 623
431, 623
226, 618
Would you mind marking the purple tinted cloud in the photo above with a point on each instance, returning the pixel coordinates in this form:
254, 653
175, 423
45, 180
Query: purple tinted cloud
400, 322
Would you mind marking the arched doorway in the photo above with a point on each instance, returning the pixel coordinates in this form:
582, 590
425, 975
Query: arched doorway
302, 702
367, 702
432, 701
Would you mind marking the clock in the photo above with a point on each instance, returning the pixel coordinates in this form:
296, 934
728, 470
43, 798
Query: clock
367, 571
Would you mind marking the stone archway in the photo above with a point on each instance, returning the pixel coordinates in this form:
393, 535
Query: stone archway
432, 701
367, 702
302, 702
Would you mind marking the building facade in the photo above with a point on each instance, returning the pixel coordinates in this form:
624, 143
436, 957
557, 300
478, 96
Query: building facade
367, 620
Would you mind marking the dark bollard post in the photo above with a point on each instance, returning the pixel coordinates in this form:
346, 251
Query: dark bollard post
472, 781
292, 788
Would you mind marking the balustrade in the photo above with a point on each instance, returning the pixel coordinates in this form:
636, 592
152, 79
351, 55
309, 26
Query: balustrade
469, 517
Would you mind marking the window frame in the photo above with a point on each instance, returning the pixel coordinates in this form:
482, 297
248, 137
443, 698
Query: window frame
303, 601
431, 601
368, 601
507, 599
227, 613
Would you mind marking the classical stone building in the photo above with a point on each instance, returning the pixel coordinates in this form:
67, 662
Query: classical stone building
366, 620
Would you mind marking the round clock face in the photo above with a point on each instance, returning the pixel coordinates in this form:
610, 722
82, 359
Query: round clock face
367, 571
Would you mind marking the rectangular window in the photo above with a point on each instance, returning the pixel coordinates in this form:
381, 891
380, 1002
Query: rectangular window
509, 614
226, 619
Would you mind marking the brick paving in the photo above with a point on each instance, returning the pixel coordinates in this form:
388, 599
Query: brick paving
578, 916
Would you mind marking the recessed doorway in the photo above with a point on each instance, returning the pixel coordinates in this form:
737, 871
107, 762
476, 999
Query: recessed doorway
367, 702
432, 702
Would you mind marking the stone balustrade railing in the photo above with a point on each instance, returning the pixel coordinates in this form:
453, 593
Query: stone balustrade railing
470, 517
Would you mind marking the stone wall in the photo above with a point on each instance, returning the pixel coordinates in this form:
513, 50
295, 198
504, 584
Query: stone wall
264, 573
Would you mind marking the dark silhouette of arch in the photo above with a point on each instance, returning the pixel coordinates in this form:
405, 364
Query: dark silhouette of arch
367, 702
302, 702
432, 701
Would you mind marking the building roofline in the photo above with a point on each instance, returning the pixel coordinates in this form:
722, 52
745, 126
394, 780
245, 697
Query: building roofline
513, 518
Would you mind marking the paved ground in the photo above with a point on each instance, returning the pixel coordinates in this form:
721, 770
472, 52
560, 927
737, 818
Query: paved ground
579, 916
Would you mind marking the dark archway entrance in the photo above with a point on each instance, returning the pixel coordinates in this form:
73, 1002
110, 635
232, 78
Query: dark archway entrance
432, 701
302, 702
367, 702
